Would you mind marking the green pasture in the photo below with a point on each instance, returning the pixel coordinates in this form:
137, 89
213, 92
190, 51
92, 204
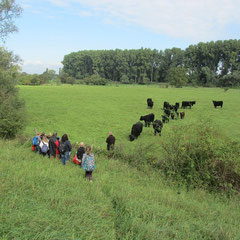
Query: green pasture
88, 113
41, 199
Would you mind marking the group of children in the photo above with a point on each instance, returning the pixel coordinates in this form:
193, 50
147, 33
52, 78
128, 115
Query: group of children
60, 148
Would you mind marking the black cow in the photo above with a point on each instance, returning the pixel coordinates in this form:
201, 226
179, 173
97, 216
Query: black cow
176, 106
157, 126
165, 119
148, 119
182, 115
192, 102
172, 115
188, 104
166, 105
167, 112
136, 131
217, 103
149, 102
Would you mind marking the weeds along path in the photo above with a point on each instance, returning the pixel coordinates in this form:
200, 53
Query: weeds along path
41, 199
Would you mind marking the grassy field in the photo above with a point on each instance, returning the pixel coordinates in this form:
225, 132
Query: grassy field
41, 199
88, 113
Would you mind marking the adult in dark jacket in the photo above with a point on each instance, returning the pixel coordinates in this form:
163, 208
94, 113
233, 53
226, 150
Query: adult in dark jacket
65, 148
110, 141
52, 145
80, 152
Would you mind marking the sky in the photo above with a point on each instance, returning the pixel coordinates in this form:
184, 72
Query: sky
51, 29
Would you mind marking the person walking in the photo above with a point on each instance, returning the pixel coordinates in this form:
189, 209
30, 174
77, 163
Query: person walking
80, 152
65, 148
88, 163
44, 146
52, 145
110, 141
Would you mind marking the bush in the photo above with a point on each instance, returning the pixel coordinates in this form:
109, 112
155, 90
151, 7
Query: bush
95, 80
144, 81
124, 79
200, 157
12, 111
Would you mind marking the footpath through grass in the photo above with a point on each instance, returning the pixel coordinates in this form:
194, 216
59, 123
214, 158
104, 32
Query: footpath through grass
41, 199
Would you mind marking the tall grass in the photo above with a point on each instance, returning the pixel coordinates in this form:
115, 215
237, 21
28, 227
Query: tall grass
41, 199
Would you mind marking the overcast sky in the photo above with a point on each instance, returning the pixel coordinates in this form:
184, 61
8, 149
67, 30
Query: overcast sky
50, 29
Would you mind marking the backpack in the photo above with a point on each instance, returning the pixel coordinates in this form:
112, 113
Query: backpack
44, 148
35, 141
89, 163
61, 147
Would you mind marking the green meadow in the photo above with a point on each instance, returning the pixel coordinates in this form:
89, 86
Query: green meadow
41, 199
88, 113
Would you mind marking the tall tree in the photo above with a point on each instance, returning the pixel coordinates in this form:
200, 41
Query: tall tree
12, 110
9, 10
12, 114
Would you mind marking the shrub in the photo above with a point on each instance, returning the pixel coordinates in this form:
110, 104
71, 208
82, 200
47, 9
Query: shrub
124, 79
95, 79
12, 111
144, 81
200, 157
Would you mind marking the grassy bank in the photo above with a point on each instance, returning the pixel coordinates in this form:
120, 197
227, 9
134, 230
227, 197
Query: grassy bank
41, 199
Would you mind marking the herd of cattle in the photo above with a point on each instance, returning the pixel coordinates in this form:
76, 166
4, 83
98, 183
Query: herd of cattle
170, 112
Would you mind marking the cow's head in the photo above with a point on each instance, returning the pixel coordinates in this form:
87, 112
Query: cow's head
131, 138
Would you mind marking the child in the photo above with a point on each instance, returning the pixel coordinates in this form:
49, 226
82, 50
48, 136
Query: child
88, 163
44, 146
65, 148
80, 153
35, 143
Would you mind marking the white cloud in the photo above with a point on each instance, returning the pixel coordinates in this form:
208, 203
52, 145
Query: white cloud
39, 66
189, 19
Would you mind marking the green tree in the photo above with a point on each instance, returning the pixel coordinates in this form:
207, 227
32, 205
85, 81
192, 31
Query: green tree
12, 111
70, 80
177, 76
8, 11
124, 79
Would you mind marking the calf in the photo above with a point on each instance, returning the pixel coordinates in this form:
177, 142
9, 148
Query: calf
149, 102
182, 115
217, 103
157, 126
148, 119
172, 115
136, 131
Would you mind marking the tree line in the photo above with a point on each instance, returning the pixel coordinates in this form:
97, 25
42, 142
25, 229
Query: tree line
204, 64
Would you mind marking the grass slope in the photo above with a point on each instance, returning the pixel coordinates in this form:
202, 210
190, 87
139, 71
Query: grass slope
41, 199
